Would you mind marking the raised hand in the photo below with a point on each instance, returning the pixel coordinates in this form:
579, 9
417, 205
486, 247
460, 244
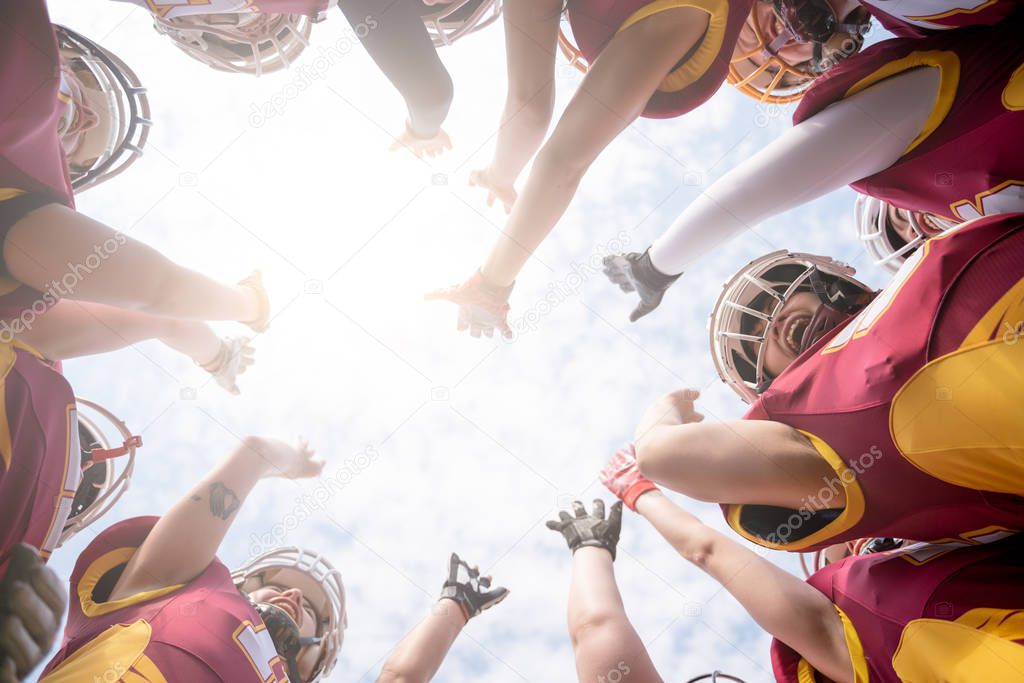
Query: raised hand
622, 477
422, 147
634, 272
506, 194
234, 356
483, 307
32, 603
277, 458
589, 529
473, 593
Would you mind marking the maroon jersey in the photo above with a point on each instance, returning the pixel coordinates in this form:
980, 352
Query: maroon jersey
203, 631
170, 9
40, 457
969, 159
31, 158
697, 77
914, 402
919, 18
950, 612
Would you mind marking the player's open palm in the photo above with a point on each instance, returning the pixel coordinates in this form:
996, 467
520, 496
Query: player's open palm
506, 194
278, 458
683, 400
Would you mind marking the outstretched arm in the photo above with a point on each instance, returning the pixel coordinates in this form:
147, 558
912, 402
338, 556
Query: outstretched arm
185, 540
531, 39
612, 96
852, 139
749, 461
606, 645
419, 655
783, 605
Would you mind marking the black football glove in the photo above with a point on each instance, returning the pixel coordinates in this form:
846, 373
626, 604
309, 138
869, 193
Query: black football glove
472, 592
32, 602
590, 529
634, 272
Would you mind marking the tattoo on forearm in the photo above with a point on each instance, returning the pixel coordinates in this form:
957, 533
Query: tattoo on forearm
223, 501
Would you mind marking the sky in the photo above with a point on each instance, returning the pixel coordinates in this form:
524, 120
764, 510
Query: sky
435, 442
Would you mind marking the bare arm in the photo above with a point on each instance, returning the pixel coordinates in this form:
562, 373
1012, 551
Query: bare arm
419, 655
611, 97
71, 329
783, 605
185, 540
852, 139
738, 461
531, 39
606, 645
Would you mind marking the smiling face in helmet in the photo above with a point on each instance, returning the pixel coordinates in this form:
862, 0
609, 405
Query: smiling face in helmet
783, 337
296, 606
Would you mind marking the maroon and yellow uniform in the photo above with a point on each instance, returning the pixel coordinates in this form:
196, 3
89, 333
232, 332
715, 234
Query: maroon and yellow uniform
40, 457
201, 632
949, 612
918, 18
914, 402
32, 167
170, 9
694, 79
979, 109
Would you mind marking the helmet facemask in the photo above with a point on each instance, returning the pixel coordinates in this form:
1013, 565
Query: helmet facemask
245, 42
760, 68
446, 23
106, 470
105, 122
752, 300
322, 586
887, 247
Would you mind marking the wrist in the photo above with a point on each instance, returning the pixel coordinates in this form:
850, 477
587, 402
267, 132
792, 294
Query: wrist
648, 500
452, 610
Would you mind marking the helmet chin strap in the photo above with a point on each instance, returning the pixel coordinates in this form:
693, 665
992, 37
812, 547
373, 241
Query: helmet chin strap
285, 634
839, 300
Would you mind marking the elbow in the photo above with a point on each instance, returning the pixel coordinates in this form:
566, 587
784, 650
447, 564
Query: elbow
590, 623
393, 675
561, 165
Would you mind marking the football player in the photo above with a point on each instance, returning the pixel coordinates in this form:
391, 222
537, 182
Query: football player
151, 601
52, 253
894, 418
606, 645
910, 107
657, 59
943, 612
32, 602
60, 469
890, 233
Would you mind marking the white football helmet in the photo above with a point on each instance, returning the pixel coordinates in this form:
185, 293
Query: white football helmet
446, 23
102, 482
754, 296
105, 121
762, 64
875, 222
243, 42
320, 583
815, 561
